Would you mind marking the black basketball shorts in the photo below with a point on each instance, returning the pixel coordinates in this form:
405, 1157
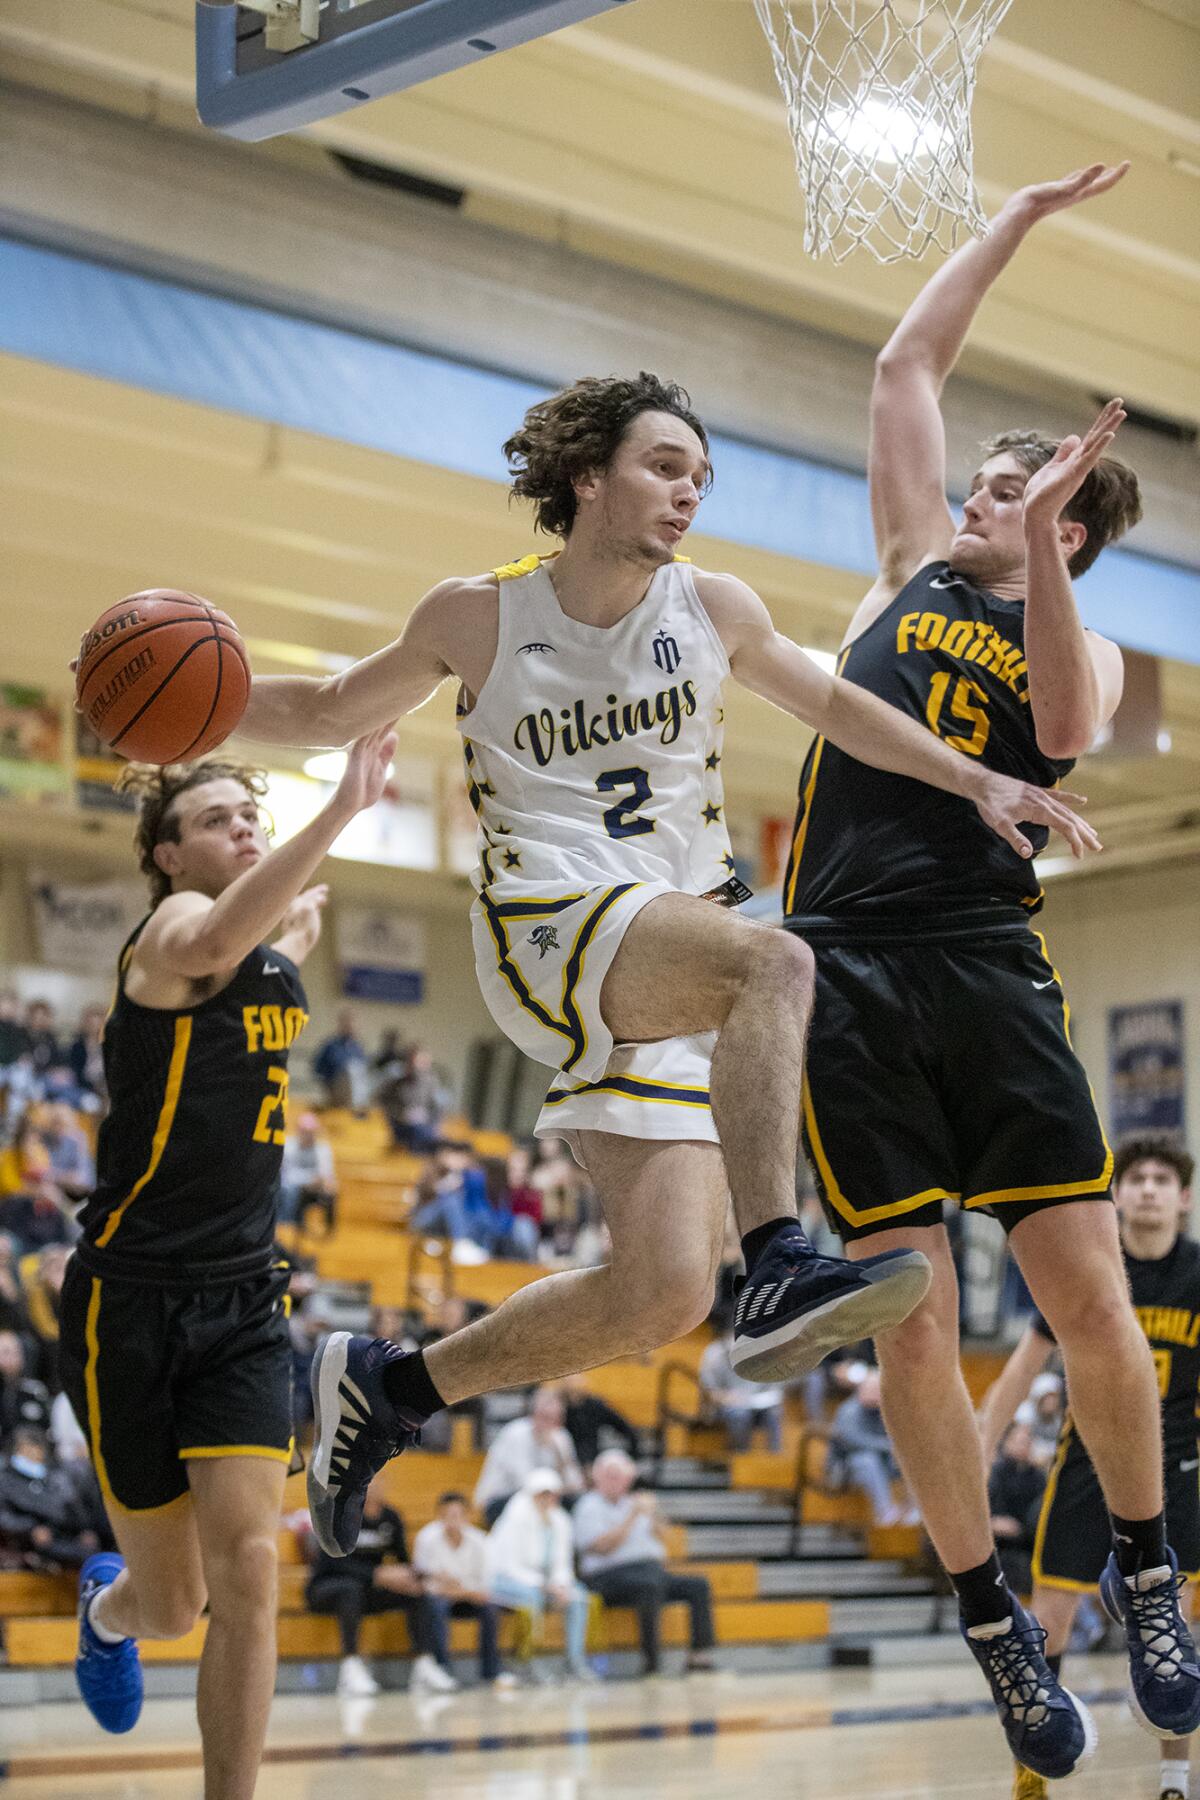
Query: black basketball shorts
944, 1071
158, 1375
1074, 1537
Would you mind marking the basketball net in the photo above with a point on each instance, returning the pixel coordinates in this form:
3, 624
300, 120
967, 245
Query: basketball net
880, 117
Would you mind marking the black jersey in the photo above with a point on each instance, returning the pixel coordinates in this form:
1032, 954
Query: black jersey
1166, 1298
880, 857
189, 1154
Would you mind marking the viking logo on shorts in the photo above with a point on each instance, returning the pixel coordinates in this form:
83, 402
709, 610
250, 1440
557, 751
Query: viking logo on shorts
545, 937
666, 653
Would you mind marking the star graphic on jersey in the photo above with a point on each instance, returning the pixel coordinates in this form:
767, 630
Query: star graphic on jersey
502, 830
728, 863
512, 859
485, 787
711, 814
720, 715
710, 762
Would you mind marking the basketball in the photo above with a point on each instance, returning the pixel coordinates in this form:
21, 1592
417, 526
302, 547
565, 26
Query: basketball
163, 677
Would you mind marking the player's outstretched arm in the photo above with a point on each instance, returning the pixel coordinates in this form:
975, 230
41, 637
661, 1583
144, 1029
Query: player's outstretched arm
192, 937
907, 461
998, 1409
317, 712
869, 729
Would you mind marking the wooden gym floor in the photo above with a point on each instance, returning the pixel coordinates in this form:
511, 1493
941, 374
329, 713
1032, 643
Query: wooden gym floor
891, 1734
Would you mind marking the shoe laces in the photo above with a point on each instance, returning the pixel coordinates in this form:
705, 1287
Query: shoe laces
1013, 1659
1160, 1627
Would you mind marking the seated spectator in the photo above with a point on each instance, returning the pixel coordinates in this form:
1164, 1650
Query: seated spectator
71, 1164
622, 1558
13, 1316
376, 1577
1043, 1413
592, 1424
560, 1181
531, 1565
524, 1446
85, 1055
21, 1086
450, 1556
741, 1406
1015, 1488
340, 1065
42, 1525
14, 1039
33, 1208
307, 1178
44, 1046
524, 1199
415, 1100
453, 1202
41, 1275
862, 1452
23, 1401
308, 1327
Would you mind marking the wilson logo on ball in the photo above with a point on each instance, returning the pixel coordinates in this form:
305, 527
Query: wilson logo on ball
93, 639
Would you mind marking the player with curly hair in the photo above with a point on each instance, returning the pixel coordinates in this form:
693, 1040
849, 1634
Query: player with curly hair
174, 1339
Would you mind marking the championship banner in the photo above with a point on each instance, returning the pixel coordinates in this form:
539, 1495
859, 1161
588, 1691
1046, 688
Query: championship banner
83, 924
1145, 1068
31, 745
381, 954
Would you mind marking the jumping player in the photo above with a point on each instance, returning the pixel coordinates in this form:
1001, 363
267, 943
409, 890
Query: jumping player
941, 1065
1152, 1179
590, 711
175, 1349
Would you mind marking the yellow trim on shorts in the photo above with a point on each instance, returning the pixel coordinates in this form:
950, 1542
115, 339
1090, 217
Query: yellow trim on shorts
609, 1085
269, 1450
873, 1214
806, 808
1039, 1536
91, 1387
162, 1131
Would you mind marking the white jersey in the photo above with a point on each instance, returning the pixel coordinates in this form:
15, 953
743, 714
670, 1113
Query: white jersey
594, 752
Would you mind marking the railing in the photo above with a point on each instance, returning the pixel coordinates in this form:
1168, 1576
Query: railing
668, 1412
419, 1256
806, 1482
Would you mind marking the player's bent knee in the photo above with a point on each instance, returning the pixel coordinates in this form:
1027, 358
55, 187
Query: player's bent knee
244, 1575
792, 965
925, 1341
172, 1612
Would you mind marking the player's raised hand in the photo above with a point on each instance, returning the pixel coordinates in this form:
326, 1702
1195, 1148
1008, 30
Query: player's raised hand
368, 761
1050, 488
1005, 805
304, 914
1046, 197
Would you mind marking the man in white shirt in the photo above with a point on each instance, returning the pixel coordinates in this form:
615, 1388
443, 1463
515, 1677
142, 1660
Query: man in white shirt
307, 1176
623, 1558
531, 1564
539, 1441
450, 1555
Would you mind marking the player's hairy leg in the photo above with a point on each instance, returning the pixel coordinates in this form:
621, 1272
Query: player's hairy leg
160, 1593
687, 966
237, 1501
665, 1206
927, 1408
1070, 1255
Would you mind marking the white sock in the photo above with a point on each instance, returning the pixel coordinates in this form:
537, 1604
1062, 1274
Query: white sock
102, 1632
1173, 1774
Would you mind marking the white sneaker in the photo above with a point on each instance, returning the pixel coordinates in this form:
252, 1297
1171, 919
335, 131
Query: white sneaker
506, 1682
355, 1680
428, 1673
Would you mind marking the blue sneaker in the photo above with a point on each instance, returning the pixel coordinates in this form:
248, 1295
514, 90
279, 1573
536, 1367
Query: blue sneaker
356, 1431
1049, 1731
797, 1306
109, 1675
1164, 1680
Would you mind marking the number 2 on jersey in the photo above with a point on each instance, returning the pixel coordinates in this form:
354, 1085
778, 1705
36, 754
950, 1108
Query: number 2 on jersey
275, 1101
617, 821
968, 702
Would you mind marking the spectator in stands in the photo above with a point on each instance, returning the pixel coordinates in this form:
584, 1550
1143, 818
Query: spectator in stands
560, 1181
1043, 1413
592, 1424
741, 1406
376, 1577
44, 1046
41, 1275
524, 1199
71, 1164
531, 1565
862, 1453
450, 1556
308, 1327
42, 1525
307, 1177
623, 1558
416, 1103
86, 1054
13, 1313
340, 1065
20, 1087
522, 1448
1015, 1488
14, 1039
23, 1401
33, 1208
453, 1202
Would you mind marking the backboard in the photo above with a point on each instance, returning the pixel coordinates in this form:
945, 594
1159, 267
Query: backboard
269, 66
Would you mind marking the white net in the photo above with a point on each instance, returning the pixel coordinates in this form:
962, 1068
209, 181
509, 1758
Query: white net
879, 99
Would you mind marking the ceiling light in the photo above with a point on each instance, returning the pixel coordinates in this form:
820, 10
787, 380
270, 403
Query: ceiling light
328, 765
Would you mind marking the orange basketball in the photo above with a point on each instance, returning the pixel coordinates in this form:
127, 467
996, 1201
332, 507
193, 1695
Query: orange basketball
162, 677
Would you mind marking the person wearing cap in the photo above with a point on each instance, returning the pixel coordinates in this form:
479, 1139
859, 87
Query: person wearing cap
530, 1562
1043, 1413
307, 1176
539, 1441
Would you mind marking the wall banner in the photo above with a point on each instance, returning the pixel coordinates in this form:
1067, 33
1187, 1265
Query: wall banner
83, 924
1145, 1068
381, 954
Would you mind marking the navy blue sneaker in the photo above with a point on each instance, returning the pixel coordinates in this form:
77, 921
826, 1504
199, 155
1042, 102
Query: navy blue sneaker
109, 1675
797, 1306
1164, 1681
1049, 1731
356, 1431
